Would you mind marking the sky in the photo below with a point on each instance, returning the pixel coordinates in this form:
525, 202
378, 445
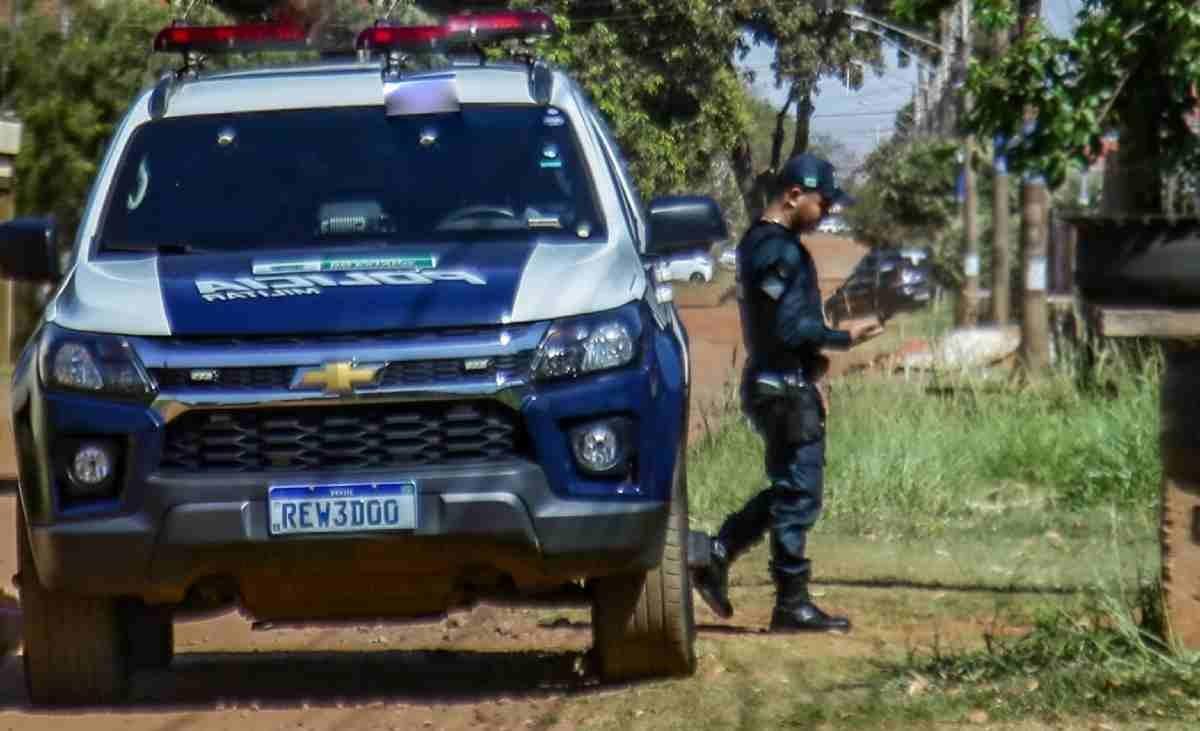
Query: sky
859, 118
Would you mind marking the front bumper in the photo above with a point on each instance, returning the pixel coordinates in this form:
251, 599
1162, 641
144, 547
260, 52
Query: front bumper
528, 518
499, 519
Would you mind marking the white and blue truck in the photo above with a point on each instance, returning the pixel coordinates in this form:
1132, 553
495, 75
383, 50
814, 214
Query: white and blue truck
361, 338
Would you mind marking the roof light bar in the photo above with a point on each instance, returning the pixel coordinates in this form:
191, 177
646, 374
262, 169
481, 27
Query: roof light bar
231, 38
460, 29
500, 25
402, 38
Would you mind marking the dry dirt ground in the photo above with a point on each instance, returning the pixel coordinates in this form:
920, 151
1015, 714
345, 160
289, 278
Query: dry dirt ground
501, 667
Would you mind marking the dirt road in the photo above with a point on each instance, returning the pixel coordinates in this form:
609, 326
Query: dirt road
504, 668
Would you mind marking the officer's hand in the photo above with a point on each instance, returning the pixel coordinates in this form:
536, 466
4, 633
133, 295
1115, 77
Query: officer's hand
862, 332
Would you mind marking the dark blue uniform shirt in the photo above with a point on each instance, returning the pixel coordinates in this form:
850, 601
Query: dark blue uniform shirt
779, 300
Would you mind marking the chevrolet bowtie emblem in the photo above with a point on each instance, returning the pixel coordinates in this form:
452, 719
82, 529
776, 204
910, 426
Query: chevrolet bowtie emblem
338, 378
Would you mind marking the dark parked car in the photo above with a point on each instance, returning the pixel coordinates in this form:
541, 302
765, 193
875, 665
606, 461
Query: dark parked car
883, 283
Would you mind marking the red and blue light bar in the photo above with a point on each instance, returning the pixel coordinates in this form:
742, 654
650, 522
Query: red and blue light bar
410, 38
218, 38
460, 29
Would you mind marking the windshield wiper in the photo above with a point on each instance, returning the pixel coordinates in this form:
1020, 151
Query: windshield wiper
151, 248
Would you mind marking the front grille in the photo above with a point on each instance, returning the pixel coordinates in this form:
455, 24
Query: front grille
398, 373
422, 372
342, 437
268, 378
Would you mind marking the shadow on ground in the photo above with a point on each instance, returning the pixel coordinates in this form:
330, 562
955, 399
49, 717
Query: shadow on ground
286, 680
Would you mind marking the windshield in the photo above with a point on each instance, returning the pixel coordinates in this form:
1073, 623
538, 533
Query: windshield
353, 175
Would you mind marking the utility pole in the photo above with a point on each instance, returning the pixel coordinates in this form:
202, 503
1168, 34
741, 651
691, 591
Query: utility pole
945, 116
919, 102
1001, 238
967, 313
916, 44
1035, 204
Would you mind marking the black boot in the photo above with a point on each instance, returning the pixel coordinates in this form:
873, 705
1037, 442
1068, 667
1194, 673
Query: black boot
712, 581
795, 612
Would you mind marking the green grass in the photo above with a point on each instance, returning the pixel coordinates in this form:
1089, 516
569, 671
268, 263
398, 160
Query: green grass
981, 482
912, 458
1105, 657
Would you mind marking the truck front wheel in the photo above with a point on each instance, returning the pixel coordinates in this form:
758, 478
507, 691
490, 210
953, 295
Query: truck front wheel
643, 624
75, 647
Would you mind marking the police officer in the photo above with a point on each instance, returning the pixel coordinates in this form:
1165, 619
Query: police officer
784, 331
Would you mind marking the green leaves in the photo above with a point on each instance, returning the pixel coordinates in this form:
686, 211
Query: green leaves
1123, 56
909, 191
70, 92
661, 73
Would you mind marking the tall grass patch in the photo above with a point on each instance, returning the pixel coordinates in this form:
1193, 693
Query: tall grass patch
914, 456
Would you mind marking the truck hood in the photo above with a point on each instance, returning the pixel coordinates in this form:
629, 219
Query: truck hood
346, 290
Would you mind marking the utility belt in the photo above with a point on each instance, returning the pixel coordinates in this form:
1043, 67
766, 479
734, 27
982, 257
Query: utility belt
784, 404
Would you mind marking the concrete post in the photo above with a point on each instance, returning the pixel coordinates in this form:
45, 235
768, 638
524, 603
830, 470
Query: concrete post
10, 145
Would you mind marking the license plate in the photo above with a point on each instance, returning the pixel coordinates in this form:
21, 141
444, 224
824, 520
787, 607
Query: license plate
298, 509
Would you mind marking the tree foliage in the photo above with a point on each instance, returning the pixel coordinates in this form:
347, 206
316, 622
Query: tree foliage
661, 73
811, 39
908, 193
70, 92
1131, 65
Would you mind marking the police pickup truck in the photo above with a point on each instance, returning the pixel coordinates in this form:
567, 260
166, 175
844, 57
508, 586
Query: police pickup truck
356, 339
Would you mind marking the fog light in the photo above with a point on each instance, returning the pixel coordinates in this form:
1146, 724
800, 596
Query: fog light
91, 469
601, 447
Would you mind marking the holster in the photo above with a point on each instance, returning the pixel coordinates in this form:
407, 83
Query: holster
784, 405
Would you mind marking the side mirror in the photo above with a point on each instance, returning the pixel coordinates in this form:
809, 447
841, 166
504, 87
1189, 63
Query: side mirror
681, 223
28, 250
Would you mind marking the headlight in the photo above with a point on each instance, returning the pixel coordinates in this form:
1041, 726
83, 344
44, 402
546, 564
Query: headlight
100, 364
589, 344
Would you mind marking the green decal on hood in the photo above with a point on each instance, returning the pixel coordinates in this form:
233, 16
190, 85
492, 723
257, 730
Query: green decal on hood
347, 264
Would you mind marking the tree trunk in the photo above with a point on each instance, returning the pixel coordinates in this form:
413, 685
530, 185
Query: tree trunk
1035, 320
969, 312
1133, 174
742, 159
780, 120
804, 112
946, 108
1035, 200
1001, 236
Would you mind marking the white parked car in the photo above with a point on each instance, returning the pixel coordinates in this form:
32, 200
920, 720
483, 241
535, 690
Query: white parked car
834, 225
695, 268
728, 258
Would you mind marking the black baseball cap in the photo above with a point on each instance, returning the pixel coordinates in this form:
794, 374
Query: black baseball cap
812, 173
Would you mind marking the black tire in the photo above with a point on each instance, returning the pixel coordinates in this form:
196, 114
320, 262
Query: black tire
150, 633
696, 277
75, 647
643, 625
